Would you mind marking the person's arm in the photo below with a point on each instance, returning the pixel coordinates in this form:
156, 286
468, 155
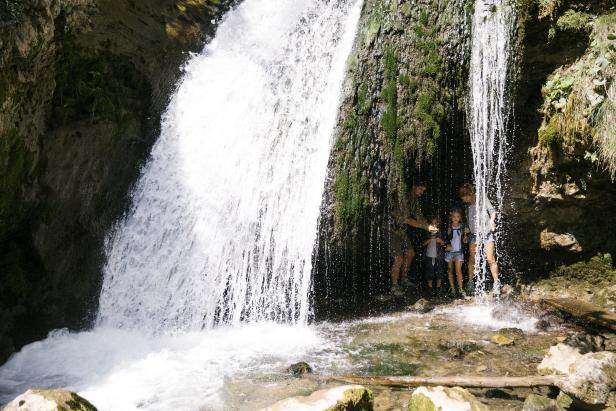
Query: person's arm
425, 243
414, 222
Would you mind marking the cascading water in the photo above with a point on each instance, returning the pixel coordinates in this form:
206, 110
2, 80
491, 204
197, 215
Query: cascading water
224, 217
223, 223
493, 25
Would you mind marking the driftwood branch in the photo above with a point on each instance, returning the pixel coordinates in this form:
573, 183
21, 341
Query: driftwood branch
585, 311
468, 381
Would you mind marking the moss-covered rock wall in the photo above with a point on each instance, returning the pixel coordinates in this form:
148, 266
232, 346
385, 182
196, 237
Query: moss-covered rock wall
402, 115
82, 87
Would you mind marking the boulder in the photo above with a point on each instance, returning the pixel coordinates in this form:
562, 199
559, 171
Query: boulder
535, 402
558, 360
444, 399
591, 378
49, 400
422, 306
342, 398
299, 368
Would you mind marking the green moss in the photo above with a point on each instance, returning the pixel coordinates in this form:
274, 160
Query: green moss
420, 402
548, 134
573, 21
356, 399
597, 270
389, 94
364, 103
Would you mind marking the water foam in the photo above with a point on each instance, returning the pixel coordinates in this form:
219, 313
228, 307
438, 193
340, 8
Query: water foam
127, 370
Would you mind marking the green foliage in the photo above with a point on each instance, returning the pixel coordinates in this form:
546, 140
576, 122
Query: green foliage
573, 21
597, 270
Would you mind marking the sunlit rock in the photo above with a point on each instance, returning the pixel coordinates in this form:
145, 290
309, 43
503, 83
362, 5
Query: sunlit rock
444, 398
567, 241
558, 360
502, 340
49, 400
343, 398
591, 378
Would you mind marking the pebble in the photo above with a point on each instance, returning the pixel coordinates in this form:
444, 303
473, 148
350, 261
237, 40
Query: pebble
501, 340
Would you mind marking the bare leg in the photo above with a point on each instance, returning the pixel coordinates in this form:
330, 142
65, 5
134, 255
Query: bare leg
491, 257
459, 273
450, 274
471, 261
439, 282
429, 283
409, 255
395, 269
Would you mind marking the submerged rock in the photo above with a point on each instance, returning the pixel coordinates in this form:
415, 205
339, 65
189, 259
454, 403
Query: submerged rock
422, 306
343, 398
444, 398
300, 368
49, 400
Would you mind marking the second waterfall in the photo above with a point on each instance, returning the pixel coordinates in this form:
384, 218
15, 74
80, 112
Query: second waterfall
489, 113
224, 217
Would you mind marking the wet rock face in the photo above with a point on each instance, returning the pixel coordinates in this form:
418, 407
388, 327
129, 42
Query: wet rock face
82, 86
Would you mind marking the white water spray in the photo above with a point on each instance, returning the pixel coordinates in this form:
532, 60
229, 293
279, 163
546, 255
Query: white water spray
493, 25
224, 217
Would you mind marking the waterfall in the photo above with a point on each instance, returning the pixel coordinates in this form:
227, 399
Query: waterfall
493, 26
224, 216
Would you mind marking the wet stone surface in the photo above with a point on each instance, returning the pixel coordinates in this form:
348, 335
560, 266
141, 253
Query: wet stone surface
450, 340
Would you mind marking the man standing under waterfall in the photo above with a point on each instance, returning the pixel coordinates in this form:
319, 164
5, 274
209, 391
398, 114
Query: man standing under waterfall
402, 245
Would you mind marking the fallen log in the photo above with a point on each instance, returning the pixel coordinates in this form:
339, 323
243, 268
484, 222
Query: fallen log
582, 310
466, 381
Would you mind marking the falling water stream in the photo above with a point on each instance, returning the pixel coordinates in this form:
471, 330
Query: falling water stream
493, 25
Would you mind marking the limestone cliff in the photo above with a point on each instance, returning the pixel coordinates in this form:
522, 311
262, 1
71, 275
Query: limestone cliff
562, 181
82, 87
